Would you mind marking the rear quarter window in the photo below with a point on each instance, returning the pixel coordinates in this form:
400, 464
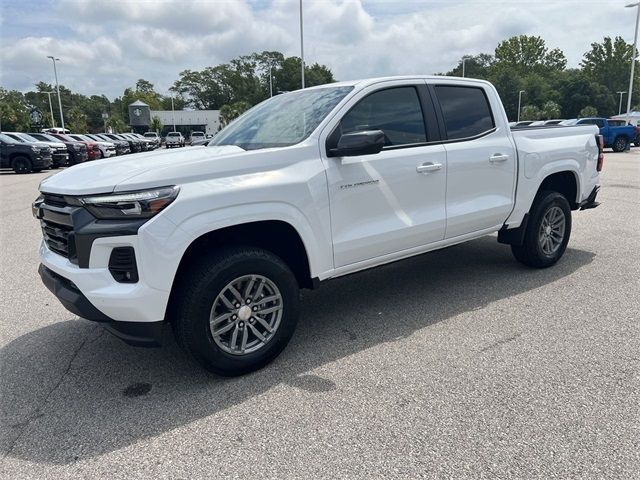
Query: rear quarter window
466, 111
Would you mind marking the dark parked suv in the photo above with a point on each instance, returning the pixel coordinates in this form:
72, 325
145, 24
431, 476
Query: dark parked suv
24, 157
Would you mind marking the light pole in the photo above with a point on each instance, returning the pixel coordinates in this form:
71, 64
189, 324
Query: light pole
301, 45
270, 82
173, 115
464, 60
519, 102
620, 104
633, 58
53, 121
55, 72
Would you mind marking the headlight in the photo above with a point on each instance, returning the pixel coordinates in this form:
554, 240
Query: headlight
76, 146
35, 149
141, 204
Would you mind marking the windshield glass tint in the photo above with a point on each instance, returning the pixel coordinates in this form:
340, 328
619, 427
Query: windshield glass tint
7, 138
283, 120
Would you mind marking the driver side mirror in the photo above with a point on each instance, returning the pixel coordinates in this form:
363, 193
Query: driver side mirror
366, 142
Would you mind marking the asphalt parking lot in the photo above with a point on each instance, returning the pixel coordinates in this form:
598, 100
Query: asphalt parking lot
456, 364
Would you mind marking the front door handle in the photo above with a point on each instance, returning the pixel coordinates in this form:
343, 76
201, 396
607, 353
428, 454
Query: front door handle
428, 167
498, 157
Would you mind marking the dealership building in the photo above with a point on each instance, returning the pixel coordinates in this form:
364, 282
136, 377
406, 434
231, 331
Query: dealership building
186, 121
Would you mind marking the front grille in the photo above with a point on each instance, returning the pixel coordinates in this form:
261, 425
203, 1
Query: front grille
57, 225
55, 200
56, 237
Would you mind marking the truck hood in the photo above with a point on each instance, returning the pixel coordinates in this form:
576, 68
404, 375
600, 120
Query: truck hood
142, 170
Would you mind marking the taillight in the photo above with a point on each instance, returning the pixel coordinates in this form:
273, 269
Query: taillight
600, 142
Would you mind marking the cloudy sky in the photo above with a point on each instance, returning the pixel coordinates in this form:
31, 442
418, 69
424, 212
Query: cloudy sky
104, 46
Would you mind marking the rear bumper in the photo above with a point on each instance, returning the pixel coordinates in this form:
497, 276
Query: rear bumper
141, 334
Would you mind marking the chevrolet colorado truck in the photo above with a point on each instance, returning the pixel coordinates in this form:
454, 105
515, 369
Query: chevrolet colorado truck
23, 156
216, 241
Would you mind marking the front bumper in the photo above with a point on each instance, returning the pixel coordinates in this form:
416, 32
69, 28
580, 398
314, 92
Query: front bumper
42, 161
141, 334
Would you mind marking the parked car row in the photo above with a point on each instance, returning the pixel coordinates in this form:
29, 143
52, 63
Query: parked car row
55, 148
617, 134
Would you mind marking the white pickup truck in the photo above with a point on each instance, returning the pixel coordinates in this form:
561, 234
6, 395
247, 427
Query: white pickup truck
216, 241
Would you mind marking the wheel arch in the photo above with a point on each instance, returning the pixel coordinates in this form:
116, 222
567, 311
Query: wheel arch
566, 182
276, 236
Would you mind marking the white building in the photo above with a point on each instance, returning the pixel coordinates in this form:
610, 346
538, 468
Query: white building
207, 121
185, 121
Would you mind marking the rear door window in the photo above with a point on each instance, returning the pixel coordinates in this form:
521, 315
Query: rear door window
466, 111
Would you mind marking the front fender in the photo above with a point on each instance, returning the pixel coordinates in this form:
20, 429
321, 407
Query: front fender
314, 238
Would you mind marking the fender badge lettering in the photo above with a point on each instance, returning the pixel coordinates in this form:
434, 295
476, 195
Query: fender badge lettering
359, 184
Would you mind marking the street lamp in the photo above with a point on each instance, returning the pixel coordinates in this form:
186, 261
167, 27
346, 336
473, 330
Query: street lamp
633, 57
620, 104
519, 102
173, 114
55, 72
53, 121
464, 60
301, 45
270, 82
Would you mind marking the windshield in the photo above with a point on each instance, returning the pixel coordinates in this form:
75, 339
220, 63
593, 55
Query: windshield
283, 120
152, 135
46, 138
28, 137
7, 139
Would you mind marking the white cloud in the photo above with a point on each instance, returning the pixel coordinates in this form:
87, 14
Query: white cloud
106, 45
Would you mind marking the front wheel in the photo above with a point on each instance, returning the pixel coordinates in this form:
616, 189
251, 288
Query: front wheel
236, 310
21, 165
547, 233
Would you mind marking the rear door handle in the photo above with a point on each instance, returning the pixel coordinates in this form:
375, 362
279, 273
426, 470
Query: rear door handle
498, 157
428, 167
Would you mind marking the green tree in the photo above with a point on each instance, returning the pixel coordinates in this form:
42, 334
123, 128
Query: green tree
231, 112
588, 111
155, 125
609, 63
475, 66
550, 110
76, 120
527, 54
116, 123
530, 112
14, 112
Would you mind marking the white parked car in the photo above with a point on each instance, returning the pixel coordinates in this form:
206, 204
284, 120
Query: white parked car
197, 137
174, 139
307, 186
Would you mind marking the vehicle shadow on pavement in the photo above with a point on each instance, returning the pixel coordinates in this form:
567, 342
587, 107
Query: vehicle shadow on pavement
70, 391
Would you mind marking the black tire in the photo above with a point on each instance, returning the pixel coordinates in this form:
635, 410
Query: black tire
531, 252
636, 141
620, 144
198, 290
21, 164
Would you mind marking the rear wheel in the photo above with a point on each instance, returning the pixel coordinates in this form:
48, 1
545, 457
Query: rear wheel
620, 144
547, 233
236, 310
21, 165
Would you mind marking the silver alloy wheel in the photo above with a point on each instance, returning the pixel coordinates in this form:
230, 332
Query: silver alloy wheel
246, 314
552, 229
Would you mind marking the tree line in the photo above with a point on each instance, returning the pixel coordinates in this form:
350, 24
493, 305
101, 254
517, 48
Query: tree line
551, 90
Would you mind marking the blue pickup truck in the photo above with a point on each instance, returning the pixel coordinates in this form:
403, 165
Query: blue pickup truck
616, 133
